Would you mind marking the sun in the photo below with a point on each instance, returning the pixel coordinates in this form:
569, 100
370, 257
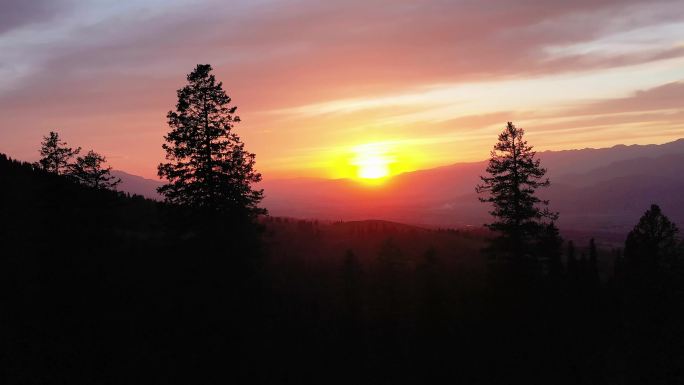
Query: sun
372, 161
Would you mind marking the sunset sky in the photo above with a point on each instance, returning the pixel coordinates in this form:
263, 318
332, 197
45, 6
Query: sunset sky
323, 85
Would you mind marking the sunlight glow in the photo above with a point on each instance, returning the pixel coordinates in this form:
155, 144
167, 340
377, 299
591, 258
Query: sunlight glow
372, 161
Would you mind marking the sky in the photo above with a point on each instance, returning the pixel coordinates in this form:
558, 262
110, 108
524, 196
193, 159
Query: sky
322, 86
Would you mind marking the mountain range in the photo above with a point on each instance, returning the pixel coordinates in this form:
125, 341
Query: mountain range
598, 190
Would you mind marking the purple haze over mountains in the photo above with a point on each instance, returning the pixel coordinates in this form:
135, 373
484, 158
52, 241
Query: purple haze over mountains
600, 190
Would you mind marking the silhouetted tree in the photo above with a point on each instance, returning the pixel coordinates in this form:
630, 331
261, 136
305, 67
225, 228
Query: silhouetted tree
653, 243
393, 266
391, 257
549, 249
429, 260
427, 271
208, 166
352, 284
55, 155
514, 177
583, 268
618, 262
429, 286
592, 268
652, 297
88, 171
572, 263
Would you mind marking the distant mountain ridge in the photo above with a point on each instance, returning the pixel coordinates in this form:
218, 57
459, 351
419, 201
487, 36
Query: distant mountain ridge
604, 189
135, 184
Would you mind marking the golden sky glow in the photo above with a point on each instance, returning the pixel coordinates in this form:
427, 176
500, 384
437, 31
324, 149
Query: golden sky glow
351, 89
372, 161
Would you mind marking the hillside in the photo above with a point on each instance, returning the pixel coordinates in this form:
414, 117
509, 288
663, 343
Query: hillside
103, 287
321, 242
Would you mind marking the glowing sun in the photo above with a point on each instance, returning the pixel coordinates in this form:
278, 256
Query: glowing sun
372, 161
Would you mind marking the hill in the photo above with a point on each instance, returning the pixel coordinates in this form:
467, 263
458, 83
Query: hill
134, 184
103, 287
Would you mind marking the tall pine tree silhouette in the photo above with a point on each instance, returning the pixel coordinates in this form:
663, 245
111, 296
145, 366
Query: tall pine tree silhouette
514, 176
55, 155
208, 167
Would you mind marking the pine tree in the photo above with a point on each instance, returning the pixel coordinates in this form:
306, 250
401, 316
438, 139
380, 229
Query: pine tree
572, 262
428, 273
653, 243
549, 249
593, 262
88, 171
582, 268
514, 177
618, 262
351, 274
209, 168
393, 266
55, 155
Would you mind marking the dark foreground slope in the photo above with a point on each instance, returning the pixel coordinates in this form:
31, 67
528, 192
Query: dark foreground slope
100, 288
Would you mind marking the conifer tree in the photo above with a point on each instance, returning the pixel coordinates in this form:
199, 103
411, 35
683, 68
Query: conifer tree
55, 155
549, 249
582, 269
593, 261
653, 243
351, 272
208, 167
618, 262
351, 268
393, 266
88, 171
514, 177
428, 273
572, 262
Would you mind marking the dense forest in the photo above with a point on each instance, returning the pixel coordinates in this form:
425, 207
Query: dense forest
101, 287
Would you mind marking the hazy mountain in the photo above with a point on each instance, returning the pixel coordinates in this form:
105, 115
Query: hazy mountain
594, 189
137, 185
598, 189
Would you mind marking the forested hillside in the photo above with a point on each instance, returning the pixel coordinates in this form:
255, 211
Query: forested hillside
100, 287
